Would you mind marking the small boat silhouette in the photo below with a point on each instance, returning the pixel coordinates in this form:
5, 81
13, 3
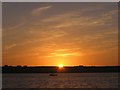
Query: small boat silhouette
53, 74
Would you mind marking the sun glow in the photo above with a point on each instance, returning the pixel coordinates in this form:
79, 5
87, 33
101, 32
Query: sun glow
60, 66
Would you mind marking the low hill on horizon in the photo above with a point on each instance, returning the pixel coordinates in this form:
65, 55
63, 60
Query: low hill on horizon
56, 69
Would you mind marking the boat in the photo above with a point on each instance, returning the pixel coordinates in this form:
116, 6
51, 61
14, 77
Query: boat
53, 74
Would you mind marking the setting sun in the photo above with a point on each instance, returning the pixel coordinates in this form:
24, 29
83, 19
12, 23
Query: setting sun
60, 66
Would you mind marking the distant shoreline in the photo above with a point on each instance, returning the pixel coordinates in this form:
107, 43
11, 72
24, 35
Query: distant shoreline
55, 69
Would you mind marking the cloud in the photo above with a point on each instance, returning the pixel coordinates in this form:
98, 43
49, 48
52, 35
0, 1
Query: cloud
59, 50
75, 19
59, 17
27, 18
40, 10
10, 46
65, 54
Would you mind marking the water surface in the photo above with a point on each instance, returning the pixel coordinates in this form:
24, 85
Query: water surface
63, 80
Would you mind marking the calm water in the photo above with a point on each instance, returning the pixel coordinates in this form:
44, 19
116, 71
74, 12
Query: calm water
63, 80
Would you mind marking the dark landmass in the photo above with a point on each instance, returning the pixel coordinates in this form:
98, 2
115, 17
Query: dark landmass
55, 69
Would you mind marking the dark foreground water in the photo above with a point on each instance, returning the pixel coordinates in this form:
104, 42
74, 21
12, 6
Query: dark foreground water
63, 80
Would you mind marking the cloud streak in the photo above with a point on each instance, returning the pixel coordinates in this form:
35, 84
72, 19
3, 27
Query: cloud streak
40, 10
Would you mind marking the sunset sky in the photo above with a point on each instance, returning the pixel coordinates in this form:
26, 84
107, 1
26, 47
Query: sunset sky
50, 34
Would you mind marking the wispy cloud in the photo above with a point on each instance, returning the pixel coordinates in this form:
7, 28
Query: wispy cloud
61, 50
40, 10
65, 54
10, 46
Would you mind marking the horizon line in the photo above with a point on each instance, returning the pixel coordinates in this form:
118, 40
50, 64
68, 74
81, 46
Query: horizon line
57, 65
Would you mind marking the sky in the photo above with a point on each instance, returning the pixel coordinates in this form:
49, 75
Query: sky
49, 34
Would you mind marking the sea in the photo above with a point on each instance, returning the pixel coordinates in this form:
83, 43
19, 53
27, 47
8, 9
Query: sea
62, 80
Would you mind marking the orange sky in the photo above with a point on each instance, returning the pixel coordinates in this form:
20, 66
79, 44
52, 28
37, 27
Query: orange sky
36, 34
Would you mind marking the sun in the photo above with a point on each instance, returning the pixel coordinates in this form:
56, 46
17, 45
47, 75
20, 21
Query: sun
60, 66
